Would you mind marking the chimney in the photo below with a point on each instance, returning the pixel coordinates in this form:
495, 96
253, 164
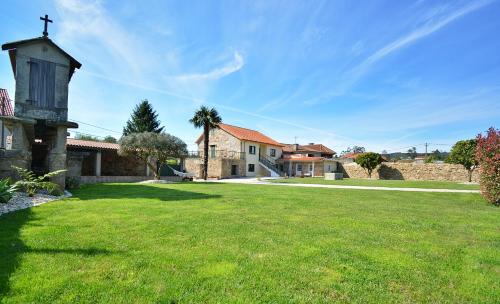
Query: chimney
295, 147
311, 144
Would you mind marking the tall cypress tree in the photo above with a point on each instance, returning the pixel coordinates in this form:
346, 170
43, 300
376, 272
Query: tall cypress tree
143, 119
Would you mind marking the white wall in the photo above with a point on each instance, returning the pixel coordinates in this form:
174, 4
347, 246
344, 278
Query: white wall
251, 158
254, 158
279, 152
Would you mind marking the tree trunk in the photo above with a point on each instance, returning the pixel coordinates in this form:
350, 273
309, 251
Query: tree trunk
369, 173
470, 174
205, 151
154, 170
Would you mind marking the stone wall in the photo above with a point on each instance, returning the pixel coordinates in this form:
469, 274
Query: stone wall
412, 171
113, 164
222, 140
82, 162
217, 167
9, 158
123, 179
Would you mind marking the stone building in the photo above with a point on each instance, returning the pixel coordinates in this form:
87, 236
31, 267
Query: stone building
308, 160
93, 161
94, 158
42, 71
236, 152
242, 152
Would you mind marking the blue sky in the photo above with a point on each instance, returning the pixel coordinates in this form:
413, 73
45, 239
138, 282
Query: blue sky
381, 74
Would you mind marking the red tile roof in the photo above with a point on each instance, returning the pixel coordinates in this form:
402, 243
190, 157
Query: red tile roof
246, 134
71, 142
5, 105
309, 148
318, 147
305, 158
351, 155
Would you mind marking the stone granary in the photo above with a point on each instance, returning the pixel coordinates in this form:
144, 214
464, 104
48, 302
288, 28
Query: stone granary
42, 71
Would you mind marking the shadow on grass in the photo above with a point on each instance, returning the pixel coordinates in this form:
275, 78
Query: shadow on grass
75, 251
12, 246
136, 191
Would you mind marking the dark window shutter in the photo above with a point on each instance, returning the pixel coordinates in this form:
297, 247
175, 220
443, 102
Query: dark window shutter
42, 83
34, 81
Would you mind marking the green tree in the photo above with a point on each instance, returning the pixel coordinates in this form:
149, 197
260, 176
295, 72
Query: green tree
412, 152
207, 119
154, 149
143, 119
353, 149
369, 161
464, 153
436, 155
86, 137
110, 139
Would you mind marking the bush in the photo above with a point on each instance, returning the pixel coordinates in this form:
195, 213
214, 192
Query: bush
369, 161
488, 156
31, 184
72, 182
6, 190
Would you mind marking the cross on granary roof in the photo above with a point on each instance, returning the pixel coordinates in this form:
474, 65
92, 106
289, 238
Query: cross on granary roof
46, 20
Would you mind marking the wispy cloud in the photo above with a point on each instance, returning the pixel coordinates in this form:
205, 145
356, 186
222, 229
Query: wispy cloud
235, 65
434, 24
433, 21
285, 122
82, 22
430, 109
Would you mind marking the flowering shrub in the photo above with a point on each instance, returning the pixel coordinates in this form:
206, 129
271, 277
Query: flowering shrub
488, 156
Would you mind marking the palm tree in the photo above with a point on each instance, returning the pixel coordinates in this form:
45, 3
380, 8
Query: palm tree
207, 119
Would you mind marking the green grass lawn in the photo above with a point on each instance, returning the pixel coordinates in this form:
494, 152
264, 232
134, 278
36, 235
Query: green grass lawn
229, 243
379, 183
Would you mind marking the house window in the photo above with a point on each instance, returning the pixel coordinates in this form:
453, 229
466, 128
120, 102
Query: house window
273, 152
299, 167
251, 168
42, 83
310, 168
251, 149
212, 151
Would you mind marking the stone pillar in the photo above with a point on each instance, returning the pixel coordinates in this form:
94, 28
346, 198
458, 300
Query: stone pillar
20, 143
312, 173
57, 156
98, 163
74, 163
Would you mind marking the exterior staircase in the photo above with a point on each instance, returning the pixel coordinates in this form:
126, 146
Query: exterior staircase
270, 166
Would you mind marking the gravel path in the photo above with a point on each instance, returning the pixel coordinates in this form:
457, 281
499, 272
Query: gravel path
255, 181
22, 201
